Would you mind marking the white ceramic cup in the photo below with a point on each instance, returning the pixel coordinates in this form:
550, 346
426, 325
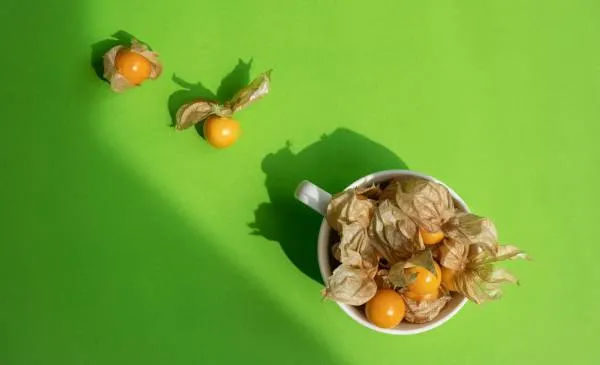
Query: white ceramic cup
318, 199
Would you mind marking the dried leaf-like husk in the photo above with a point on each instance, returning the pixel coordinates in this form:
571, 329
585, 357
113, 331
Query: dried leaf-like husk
471, 229
351, 285
192, 113
424, 311
348, 207
258, 88
428, 203
119, 83
453, 255
423, 259
480, 281
382, 279
355, 241
393, 233
370, 192
397, 275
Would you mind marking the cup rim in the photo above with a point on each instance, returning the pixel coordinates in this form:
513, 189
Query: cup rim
324, 253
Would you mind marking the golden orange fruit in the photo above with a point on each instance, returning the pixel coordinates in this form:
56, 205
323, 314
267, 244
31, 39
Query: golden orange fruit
386, 309
448, 278
426, 281
422, 297
133, 66
221, 132
431, 238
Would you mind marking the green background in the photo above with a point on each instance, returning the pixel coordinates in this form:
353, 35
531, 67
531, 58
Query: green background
123, 241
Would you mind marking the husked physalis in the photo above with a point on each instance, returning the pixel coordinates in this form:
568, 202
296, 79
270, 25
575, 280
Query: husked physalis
405, 250
126, 67
386, 309
220, 129
425, 282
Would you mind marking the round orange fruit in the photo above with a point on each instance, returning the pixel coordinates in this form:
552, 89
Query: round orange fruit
386, 309
429, 297
133, 66
221, 132
431, 238
426, 281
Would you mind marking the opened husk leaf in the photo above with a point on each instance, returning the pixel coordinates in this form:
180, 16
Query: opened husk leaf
347, 208
119, 83
480, 281
428, 203
351, 285
424, 311
394, 233
198, 110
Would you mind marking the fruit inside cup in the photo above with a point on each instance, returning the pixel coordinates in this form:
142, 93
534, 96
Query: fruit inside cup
407, 251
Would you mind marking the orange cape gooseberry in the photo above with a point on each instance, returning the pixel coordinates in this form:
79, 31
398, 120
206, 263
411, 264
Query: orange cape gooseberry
426, 282
429, 297
431, 238
386, 309
221, 132
133, 66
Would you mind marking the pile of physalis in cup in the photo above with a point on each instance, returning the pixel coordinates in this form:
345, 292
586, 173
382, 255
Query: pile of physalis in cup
404, 248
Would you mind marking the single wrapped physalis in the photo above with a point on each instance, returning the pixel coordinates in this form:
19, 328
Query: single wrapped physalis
126, 67
220, 129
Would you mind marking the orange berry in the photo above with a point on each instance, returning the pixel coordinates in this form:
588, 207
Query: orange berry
431, 238
133, 66
221, 132
429, 297
426, 281
386, 309
448, 278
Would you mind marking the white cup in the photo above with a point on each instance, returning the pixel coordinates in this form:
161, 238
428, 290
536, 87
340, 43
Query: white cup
318, 199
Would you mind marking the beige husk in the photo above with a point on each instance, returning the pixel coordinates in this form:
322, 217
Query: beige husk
427, 203
479, 280
198, 110
424, 311
351, 285
118, 83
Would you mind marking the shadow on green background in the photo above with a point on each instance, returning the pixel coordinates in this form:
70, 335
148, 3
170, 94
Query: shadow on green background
333, 163
94, 267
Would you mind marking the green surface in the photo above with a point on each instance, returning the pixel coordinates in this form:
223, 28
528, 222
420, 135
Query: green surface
123, 241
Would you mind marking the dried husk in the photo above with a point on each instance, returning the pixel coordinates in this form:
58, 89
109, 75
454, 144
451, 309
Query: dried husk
470, 229
347, 208
480, 281
119, 83
258, 88
453, 255
428, 203
424, 311
394, 233
198, 110
351, 285
355, 246
382, 279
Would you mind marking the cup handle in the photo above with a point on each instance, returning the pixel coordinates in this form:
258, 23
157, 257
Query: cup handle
313, 196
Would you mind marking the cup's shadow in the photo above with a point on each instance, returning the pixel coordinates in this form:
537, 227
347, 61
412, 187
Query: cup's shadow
235, 80
333, 162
